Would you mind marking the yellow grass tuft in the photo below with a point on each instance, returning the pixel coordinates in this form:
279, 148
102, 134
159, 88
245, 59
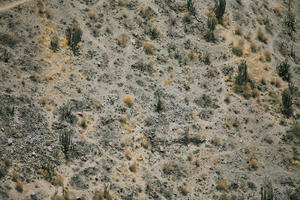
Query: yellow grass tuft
123, 40
277, 10
128, 100
149, 48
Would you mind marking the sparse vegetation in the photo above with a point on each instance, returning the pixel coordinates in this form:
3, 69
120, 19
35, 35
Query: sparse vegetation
219, 9
287, 102
267, 55
238, 49
149, 48
128, 100
211, 24
73, 35
66, 142
242, 76
283, 70
54, 43
19, 187
123, 40
261, 36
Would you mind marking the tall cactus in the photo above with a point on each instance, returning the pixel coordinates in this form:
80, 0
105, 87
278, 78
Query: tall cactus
242, 76
220, 8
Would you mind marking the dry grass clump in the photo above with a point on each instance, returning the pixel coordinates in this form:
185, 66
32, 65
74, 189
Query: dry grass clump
261, 36
149, 48
223, 184
128, 154
133, 167
106, 195
145, 143
267, 55
92, 14
184, 189
277, 10
238, 50
253, 47
253, 164
238, 30
19, 187
58, 180
128, 100
123, 40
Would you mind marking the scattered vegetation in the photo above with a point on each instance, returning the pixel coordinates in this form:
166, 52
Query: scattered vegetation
123, 40
211, 24
133, 167
191, 7
54, 42
106, 195
159, 105
290, 20
261, 36
66, 142
287, 102
253, 163
238, 49
283, 70
242, 76
277, 10
149, 48
4, 55
74, 34
267, 55
128, 100
19, 187
219, 9
223, 184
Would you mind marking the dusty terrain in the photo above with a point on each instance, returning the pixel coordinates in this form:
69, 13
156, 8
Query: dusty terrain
149, 99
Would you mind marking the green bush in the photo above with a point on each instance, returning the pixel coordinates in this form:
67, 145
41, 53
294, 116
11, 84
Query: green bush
220, 9
242, 76
287, 102
74, 34
283, 70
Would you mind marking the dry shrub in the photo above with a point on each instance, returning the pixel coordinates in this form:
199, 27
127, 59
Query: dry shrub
238, 50
277, 10
238, 30
133, 167
128, 100
253, 47
19, 187
149, 48
223, 184
267, 55
123, 40
261, 36
253, 163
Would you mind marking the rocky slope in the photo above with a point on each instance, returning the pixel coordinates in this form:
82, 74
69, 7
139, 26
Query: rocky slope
150, 99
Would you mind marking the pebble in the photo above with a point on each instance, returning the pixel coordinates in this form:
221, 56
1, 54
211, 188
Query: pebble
161, 149
9, 141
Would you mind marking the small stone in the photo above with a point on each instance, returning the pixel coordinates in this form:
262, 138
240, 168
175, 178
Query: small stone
161, 149
9, 141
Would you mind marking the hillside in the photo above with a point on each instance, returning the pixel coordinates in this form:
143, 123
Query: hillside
150, 99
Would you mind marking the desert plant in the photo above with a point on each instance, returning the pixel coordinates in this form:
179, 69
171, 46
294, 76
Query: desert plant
149, 48
66, 142
266, 191
191, 7
261, 36
283, 70
159, 106
290, 20
74, 34
287, 102
54, 44
238, 50
4, 55
242, 76
211, 25
219, 9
